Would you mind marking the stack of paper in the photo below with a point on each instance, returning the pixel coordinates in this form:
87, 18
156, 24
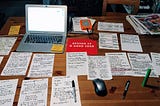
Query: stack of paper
145, 24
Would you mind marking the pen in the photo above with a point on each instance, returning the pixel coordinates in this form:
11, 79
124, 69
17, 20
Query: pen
74, 91
126, 89
146, 77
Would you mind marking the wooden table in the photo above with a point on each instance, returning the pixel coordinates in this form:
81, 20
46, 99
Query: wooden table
136, 96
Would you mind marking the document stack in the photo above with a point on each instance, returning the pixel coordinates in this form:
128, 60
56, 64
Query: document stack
145, 24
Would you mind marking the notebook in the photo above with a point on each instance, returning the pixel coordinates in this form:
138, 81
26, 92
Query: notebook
46, 28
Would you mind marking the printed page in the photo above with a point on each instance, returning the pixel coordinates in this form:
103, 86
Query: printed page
108, 41
17, 64
130, 43
77, 63
33, 93
6, 44
7, 91
41, 65
65, 91
140, 63
99, 67
1, 58
119, 63
108, 26
156, 62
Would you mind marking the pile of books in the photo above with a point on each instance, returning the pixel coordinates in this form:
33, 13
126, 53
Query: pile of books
145, 24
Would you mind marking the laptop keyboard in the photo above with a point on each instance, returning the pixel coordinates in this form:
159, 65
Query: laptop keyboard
43, 39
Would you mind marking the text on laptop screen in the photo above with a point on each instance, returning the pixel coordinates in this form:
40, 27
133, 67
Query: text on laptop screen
46, 19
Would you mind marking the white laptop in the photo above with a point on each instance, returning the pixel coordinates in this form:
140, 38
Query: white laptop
46, 28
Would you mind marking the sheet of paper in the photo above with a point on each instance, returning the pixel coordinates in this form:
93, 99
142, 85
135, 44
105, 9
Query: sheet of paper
109, 26
130, 43
119, 63
76, 23
1, 58
99, 67
14, 30
156, 62
140, 62
63, 93
108, 41
7, 91
33, 93
17, 64
6, 44
41, 65
77, 63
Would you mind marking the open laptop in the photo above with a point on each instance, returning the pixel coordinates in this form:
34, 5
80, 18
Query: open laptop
46, 28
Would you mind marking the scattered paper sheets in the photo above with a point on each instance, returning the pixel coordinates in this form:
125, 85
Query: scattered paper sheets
77, 63
7, 91
108, 41
109, 26
6, 44
33, 93
17, 64
99, 67
63, 93
41, 65
140, 63
1, 58
119, 63
156, 62
130, 43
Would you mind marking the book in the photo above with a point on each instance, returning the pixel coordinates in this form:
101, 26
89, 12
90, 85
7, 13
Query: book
82, 45
145, 24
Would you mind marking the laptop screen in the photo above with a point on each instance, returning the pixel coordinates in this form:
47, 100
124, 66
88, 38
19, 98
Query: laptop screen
46, 19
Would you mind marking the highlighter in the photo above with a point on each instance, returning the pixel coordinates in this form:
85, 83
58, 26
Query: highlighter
146, 77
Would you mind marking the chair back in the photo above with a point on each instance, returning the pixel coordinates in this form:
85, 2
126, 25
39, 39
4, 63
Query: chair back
133, 3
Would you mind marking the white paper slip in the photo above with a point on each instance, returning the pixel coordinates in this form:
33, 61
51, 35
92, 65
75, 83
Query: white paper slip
108, 41
119, 63
41, 65
109, 26
17, 64
6, 44
156, 62
1, 58
77, 63
65, 91
7, 91
33, 92
140, 62
99, 67
130, 43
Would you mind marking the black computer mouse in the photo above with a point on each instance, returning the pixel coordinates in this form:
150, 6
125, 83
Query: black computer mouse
100, 87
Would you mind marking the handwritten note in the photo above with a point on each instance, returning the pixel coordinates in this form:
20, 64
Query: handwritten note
63, 93
41, 65
7, 91
14, 30
156, 62
33, 93
119, 63
6, 44
109, 26
77, 63
108, 41
17, 64
140, 62
99, 67
130, 43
